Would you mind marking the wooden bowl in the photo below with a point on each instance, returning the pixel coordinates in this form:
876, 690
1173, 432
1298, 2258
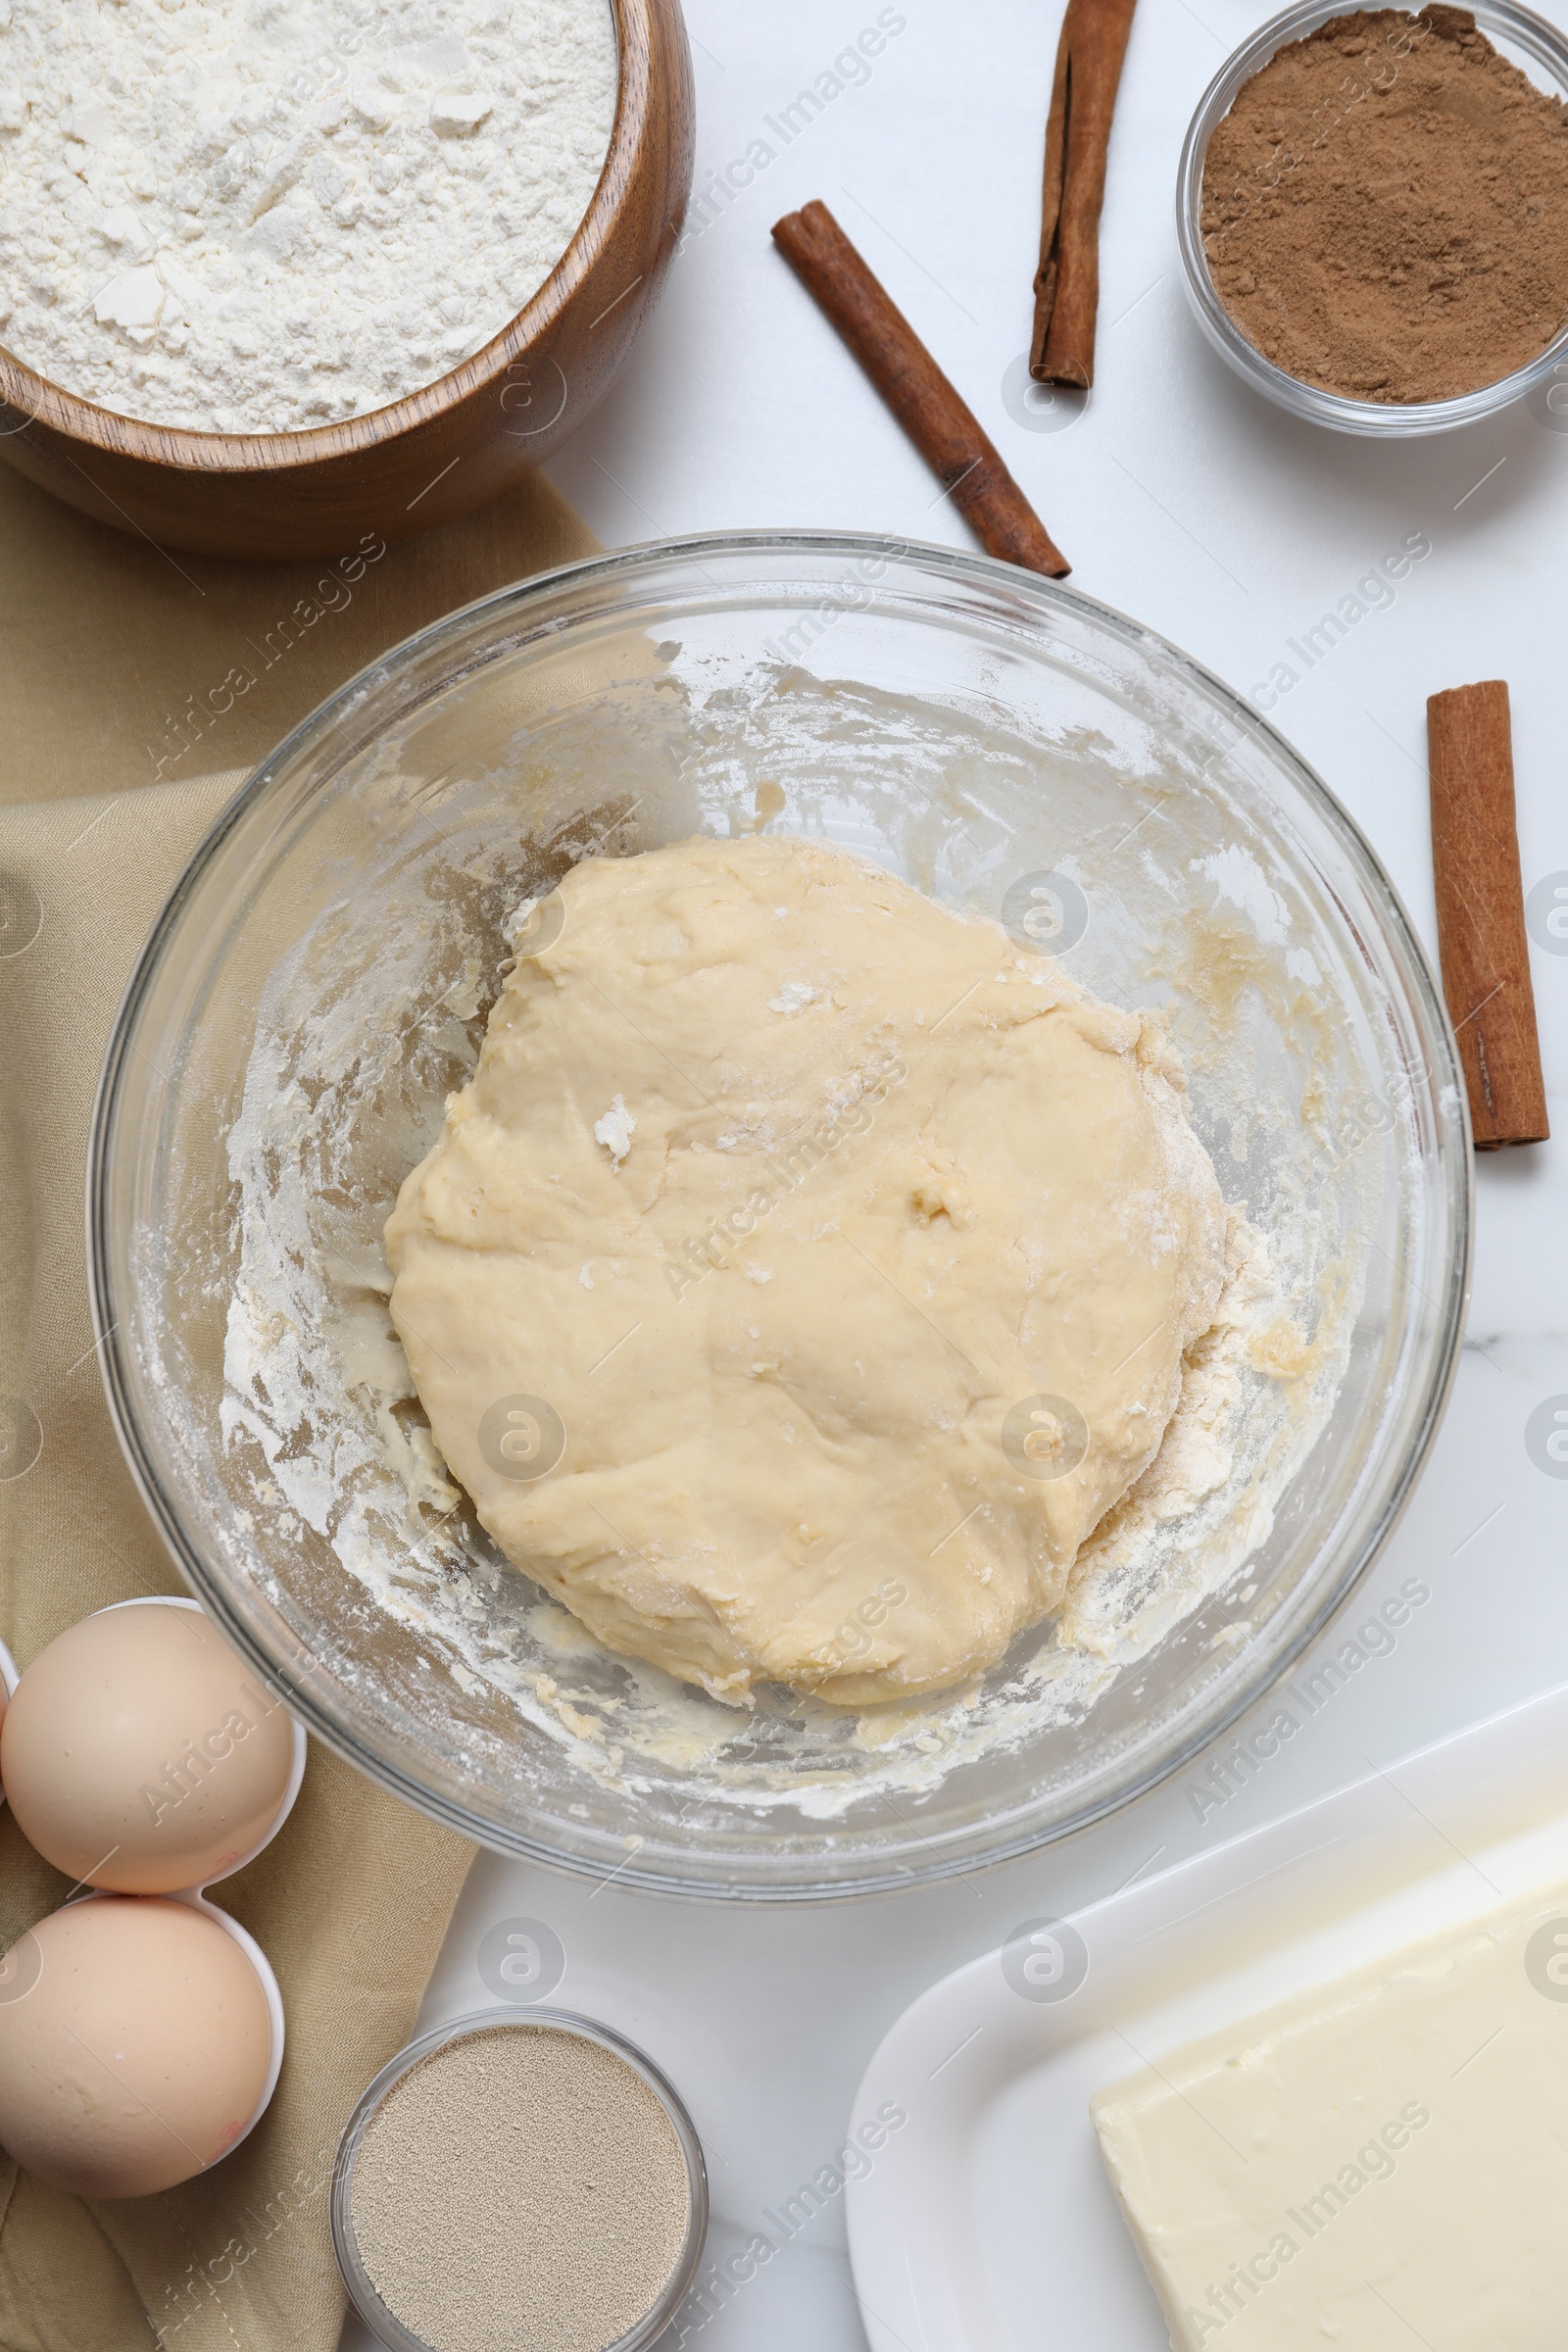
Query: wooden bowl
441, 451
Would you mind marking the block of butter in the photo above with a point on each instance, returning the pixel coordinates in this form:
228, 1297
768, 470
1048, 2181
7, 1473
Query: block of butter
1381, 2162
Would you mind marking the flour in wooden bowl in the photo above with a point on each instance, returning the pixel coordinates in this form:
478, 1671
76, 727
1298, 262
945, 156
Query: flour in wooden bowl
237, 218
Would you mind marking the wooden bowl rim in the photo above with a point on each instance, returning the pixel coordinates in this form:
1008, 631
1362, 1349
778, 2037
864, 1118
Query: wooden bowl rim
100, 428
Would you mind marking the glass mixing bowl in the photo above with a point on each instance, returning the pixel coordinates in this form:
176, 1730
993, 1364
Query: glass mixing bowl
319, 982
1526, 40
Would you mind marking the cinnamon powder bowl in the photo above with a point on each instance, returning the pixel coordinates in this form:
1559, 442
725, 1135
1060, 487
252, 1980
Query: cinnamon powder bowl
1524, 40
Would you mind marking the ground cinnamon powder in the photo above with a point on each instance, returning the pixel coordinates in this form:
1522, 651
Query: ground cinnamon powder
1384, 209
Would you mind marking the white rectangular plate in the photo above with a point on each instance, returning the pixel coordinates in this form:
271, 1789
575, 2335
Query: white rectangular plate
986, 2224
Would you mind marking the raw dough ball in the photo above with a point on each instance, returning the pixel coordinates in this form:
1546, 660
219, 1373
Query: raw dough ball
805, 1271
135, 2042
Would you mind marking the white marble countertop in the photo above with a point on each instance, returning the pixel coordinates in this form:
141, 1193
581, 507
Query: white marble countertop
1189, 503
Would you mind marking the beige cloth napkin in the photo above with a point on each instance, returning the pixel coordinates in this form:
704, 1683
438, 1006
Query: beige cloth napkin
115, 753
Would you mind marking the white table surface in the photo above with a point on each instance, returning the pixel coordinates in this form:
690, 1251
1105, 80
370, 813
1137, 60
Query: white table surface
1188, 502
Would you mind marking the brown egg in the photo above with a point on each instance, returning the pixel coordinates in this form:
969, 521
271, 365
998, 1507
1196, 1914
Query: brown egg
135, 2042
138, 1753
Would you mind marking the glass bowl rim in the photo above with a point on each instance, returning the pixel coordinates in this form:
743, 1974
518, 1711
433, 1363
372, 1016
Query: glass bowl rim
1385, 419
1393, 1487
362, 2293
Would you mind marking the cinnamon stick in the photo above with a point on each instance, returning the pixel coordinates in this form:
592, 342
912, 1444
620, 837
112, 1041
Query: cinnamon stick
944, 429
1082, 99
1481, 914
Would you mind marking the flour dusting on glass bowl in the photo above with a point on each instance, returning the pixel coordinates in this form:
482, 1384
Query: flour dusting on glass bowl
319, 984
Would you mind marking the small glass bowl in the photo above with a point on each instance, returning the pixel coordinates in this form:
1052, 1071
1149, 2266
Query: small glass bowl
1526, 40
384, 2323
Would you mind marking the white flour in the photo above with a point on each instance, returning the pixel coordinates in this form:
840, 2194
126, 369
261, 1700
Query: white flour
246, 216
